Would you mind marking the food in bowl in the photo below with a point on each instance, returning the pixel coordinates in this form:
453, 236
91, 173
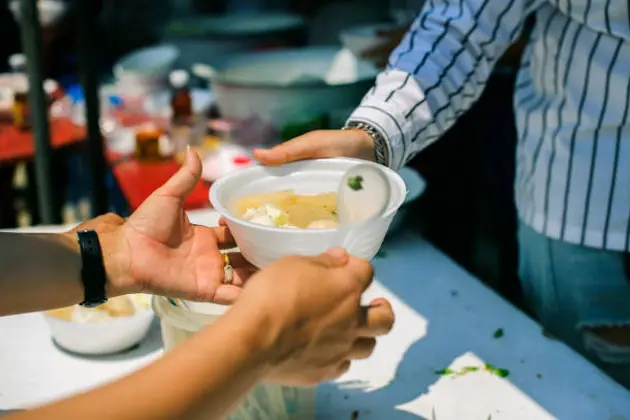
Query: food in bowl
118, 325
286, 209
122, 306
262, 245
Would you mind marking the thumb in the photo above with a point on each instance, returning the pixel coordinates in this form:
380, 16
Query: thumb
307, 146
185, 180
336, 257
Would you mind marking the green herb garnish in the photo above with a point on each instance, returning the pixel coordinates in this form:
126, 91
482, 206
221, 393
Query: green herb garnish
468, 369
502, 373
355, 182
498, 333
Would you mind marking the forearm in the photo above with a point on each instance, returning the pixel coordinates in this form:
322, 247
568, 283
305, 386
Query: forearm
439, 70
206, 377
43, 271
38, 272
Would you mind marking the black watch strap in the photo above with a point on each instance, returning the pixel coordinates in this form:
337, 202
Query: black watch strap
93, 273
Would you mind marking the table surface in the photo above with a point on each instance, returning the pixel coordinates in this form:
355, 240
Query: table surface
445, 318
18, 145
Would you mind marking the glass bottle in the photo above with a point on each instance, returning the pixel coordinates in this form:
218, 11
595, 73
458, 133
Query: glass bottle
20, 110
148, 143
181, 99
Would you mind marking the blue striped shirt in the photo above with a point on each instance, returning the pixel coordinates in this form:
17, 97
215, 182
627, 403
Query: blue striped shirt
571, 102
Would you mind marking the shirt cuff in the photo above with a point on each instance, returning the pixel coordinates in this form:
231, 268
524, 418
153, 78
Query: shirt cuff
386, 108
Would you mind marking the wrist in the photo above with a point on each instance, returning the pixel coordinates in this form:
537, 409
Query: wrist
254, 343
115, 261
260, 331
364, 143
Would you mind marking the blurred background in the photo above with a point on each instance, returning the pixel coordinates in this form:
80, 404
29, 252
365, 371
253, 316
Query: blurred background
127, 85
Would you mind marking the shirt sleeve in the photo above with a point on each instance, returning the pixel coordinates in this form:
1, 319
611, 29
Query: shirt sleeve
439, 70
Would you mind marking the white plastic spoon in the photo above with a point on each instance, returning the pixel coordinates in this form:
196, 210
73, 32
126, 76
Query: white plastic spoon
363, 194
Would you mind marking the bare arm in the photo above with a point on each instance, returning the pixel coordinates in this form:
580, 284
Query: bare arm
204, 375
43, 271
278, 330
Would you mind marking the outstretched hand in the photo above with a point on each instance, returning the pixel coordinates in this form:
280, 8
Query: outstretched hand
158, 250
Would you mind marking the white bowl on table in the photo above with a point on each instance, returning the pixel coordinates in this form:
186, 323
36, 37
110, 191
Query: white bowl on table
262, 245
146, 69
360, 39
107, 337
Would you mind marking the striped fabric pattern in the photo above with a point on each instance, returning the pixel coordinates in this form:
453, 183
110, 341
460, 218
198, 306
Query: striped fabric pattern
571, 100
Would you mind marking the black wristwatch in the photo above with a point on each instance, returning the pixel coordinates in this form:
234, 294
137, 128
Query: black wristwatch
93, 275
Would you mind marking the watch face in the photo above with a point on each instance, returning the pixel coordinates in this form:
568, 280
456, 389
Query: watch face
93, 304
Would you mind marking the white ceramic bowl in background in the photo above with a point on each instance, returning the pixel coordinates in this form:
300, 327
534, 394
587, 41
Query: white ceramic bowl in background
262, 245
147, 69
155, 60
360, 39
284, 88
101, 338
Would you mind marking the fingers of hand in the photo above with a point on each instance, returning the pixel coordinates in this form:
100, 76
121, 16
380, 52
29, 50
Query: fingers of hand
311, 145
362, 348
376, 320
237, 260
184, 181
225, 240
362, 270
335, 257
343, 368
227, 294
241, 269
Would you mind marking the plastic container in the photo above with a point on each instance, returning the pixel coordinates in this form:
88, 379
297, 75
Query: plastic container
265, 402
262, 245
108, 337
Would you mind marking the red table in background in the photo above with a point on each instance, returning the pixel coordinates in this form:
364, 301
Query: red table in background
17, 145
137, 180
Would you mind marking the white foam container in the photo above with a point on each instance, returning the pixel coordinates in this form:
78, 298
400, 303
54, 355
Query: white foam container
266, 401
261, 245
108, 337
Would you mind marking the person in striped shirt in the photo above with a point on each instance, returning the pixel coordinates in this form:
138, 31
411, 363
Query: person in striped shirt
572, 187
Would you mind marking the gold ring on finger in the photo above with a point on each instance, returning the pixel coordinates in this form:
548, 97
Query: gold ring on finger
228, 270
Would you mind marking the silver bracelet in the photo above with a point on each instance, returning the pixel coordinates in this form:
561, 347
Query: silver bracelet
381, 150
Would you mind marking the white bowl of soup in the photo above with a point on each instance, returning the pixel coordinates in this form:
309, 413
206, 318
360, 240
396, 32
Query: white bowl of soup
291, 210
